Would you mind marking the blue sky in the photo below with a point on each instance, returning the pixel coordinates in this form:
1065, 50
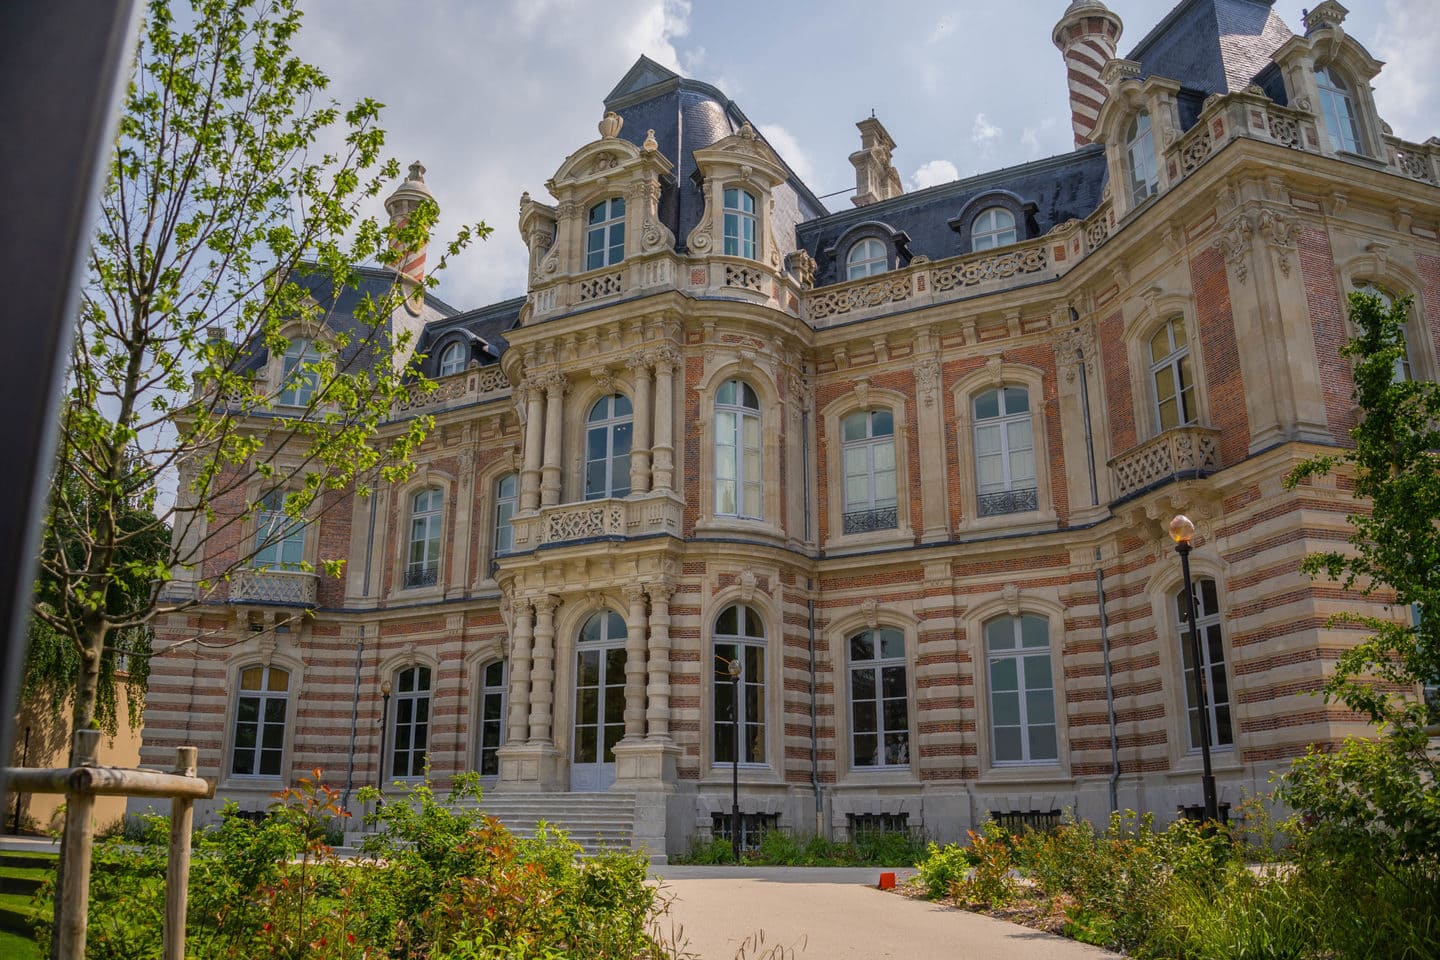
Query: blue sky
493, 94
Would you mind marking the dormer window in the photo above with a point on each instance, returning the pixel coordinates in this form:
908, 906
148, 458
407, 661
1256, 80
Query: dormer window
993, 227
605, 235
452, 360
300, 382
740, 224
1140, 159
866, 258
1339, 110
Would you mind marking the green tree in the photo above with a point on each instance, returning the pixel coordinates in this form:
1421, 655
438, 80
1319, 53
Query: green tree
229, 227
1382, 797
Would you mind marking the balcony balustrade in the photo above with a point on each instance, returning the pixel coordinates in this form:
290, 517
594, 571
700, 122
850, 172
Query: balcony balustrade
597, 519
1178, 453
294, 588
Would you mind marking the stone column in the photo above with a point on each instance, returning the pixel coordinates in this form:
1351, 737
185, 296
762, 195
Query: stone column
663, 474
542, 672
534, 427
635, 663
644, 416
657, 711
517, 720
550, 473
930, 420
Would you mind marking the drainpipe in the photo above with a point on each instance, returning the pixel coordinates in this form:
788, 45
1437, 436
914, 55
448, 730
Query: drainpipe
369, 546
1085, 405
1109, 685
354, 722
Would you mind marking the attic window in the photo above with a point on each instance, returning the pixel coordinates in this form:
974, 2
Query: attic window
1140, 157
453, 359
993, 227
866, 258
605, 235
1339, 110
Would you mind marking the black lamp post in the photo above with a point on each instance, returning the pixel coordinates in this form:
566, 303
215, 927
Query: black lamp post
1182, 531
384, 729
732, 670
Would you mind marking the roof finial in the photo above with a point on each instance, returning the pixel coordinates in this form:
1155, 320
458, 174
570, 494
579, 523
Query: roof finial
417, 172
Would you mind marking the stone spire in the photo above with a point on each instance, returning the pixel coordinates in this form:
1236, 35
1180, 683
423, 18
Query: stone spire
1087, 36
875, 176
400, 204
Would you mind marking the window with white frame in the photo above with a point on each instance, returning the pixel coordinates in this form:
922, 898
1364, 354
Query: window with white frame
992, 227
1404, 368
1022, 690
866, 258
492, 718
411, 736
507, 496
1212, 657
1140, 159
279, 538
1171, 372
1339, 109
607, 448
1429, 688
740, 224
422, 565
261, 706
879, 701
739, 635
605, 234
1004, 453
737, 451
298, 380
452, 359
867, 452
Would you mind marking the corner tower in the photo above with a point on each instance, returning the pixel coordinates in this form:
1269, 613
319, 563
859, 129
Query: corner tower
1086, 36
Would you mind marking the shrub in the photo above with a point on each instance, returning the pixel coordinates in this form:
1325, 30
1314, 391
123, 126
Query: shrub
992, 881
943, 867
889, 848
716, 850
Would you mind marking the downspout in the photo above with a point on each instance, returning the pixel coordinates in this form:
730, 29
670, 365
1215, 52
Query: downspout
354, 722
1089, 431
369, 546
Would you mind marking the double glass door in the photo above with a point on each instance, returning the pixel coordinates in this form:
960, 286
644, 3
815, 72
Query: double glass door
599, 702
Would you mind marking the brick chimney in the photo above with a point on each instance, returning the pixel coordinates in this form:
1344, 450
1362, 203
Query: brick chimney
875, 176
400, 204
1087, 36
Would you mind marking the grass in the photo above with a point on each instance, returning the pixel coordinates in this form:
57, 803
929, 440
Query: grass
15, 947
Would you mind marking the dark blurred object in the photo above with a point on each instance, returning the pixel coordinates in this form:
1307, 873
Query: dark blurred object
63, 64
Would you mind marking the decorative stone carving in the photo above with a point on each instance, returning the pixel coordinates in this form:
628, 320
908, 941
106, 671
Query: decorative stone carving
927, 379
596, 288
862, 391
1280, 231
870, 609
802, 267
747, 586
1075, 345
1234, 241
991, 266
1011, 595
605, 379
650, 146
858, 295
1178, 452
610, 125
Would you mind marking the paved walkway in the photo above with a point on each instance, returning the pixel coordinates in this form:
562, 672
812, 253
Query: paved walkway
834, 913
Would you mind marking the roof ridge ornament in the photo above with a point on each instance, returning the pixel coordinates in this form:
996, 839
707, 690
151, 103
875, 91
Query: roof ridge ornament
610, 125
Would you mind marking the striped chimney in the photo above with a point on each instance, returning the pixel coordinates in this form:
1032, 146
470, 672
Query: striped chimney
1087, 36
400, 204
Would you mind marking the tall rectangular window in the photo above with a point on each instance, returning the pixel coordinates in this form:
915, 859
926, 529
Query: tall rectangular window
259, 744
412, 723
867, 452
1022, 690
737, 451
1170, 369
1212, 656
739, 702
1004, 453
740, 224
279, 539
506, 497
423, 566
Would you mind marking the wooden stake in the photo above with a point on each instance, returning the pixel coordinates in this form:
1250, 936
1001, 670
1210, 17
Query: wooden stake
79, 838
177, 870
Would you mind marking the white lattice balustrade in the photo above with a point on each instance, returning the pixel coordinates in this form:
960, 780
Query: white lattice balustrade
1182, 451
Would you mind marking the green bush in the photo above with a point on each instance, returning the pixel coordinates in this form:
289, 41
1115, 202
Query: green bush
992, 882
943, 867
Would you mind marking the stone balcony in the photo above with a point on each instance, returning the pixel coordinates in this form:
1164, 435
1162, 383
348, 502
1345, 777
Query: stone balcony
1181, 453
291, 588
637, 516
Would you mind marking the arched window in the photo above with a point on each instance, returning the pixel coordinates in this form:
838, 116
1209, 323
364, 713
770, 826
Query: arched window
879, 700
1022, 690
1140, 159
1404, 368
1212, 658
739, 635
422, 567
866, 258
452, 360
607, 448
260, 711
737, 451
1171, 373
867, 450
492, 718
1004, 453
506, 497
740, 224
605, 234
279, 539
299, 382
1339, 110
599, 688
412, 722
992, 227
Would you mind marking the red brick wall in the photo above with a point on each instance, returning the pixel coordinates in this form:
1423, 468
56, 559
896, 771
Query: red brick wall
1224, 387
1317, 266
1119, 395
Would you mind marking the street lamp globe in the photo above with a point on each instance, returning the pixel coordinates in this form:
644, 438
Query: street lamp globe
1182, 529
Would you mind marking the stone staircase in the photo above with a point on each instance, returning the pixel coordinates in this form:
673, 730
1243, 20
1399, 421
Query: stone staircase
596, 821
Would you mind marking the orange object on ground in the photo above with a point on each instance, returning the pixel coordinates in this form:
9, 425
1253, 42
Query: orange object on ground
887, 881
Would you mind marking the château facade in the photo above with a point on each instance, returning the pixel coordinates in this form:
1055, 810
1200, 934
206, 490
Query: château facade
909, 464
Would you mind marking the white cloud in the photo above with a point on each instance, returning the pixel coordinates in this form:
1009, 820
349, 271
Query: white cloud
983, 133
789, 149
1406, 91
932, 173
1035, 139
